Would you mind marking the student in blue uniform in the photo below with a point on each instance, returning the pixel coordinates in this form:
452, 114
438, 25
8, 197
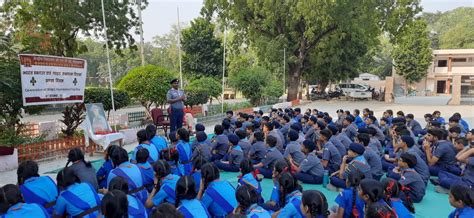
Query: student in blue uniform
83, 169
258, 150
136, 209
380, 210
293, 148
340, 137
159, 142
185, 152
201, 147
145, 168
407, 144
440, 153
413, 124
357, 119
330, 156
198, 162
332, 138
372, 193
114, 204
314, 204
248, 177
437, 117
290, 197
37, 189
311, 169
410, 179
392, 189
144, 142
446, 180
76, 198
220, 144
356, 153
129, 172
273, 204
164, 189
243, 141
171, 155
370, 155
186, 201
13, 206
273, 154
218, 196
461, 198
106, 167
248, 200
350, 127
234, 157
349, 203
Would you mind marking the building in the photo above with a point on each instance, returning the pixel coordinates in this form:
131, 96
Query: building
367, 77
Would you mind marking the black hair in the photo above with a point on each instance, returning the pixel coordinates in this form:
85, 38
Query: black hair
170, 154
454, 119
198, 161
66, 177
259, 136
357, 111
436, 112
379, 210
266, 118
269, 126
27, 170
282, 166
209, 173
464, 194
316, 203
286, 118
161, 169
389, 111
185, 189
288, 184
142, 155
392, 189
410, 116
293, 136
400, 113
238, 124
76, 154
183, 134
218, 129
151, 131
373, 189
230, 112
142, 136
114, 205
246, 166
9, 195
428, 116
371, 131
408, 158
364, 139
109, 151
353, 180
119, 156
250, 127
309, 145
455, 129
246, 196
118, 183
166, 210
327, 133
271, 141
241, 134
462, 141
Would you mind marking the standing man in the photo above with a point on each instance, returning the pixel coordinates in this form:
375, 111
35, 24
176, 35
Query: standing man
175, 98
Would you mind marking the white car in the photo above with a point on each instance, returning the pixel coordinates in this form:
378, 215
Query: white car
351, 87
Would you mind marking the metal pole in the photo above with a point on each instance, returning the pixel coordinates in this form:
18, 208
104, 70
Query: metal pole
223, 71
284, 70
179, 54
108, 61
142, 44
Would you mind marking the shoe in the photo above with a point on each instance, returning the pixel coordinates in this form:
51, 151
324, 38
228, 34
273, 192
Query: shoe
333, 188
260, 177
435, 181
441, 190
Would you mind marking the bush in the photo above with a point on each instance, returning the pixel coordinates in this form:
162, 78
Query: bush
251, 82
195, 97
274, 89
208, 85
102, 95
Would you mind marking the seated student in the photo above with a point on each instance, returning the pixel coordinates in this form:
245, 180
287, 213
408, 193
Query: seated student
171, 155
243, 141
12, 204
331, 158
159, 142
293, 148
454, 122
341, 137
372, 158
437, 117
218, 196
273, 154
184, 150
314, 204
143, 142
37, 189
269, 130
186, 201
248, 176
273, 204
198, 162
380, 210
372, 192
146, 168
248, 199
231, 161
81, 168
357, 119
128, 171
440, 154
250, 130
285, 124
392, 191
410, 179
220, 144
333, 139
349, 203
462, 121
446, 180
76, 199
115, 204
312, 126
258, 149
310, 170
413, 124
106, 167
136, 209
454, 133
201, 147
461, 198
374, 143
407, 144
166, 210
228, 128
164, 188
356, 154
349, 127
290, 198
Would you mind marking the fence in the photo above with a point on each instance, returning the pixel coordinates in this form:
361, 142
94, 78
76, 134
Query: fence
49, 149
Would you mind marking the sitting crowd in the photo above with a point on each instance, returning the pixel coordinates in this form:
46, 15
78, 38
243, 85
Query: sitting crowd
379, 166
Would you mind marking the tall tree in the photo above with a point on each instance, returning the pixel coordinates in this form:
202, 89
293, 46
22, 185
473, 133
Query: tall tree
202, 50
301, 25
52, 26
412, 54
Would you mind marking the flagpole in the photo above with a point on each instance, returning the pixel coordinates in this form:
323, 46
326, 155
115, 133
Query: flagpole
179, 53
108, 61
142, 44
223, 71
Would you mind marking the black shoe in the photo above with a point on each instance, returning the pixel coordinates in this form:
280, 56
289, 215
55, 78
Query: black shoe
434, 181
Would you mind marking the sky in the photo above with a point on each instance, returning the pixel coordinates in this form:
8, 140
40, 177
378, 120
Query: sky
160, 15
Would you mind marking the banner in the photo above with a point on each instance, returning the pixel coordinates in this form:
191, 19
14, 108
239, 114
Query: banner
52, 80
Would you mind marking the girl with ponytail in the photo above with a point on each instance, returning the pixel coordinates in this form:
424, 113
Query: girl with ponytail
186, 201
461, 198
164, 185
372, 191
249, 176
281, 166
12, 204
83, 169
392, 191
248, 200
314, 204
290, 197
349, 204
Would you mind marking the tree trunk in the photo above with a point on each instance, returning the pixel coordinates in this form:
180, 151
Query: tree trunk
323, 85
293, 81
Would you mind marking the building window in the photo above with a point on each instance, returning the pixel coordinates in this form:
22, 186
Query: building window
459, 60
442, 63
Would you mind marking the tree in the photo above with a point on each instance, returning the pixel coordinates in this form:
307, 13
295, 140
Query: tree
148, 84
251, 82
412, 54
52, 26
300, 26
195, 96
378, 60
102, 95
202, 50
208, 85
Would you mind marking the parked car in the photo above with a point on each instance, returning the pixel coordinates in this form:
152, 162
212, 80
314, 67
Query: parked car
351, 87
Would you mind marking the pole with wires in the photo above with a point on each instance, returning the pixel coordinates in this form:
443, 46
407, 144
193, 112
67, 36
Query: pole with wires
223, 71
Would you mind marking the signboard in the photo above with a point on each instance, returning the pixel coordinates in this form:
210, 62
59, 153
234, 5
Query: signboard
52, 80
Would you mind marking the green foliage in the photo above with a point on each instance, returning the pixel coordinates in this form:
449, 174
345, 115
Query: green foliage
52, 26
102, 95
148, 84
251, 82
217, 108
202, 50
412, 54
10, 138
195, 96
378, 60
273, 89
209, 85
73, 116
